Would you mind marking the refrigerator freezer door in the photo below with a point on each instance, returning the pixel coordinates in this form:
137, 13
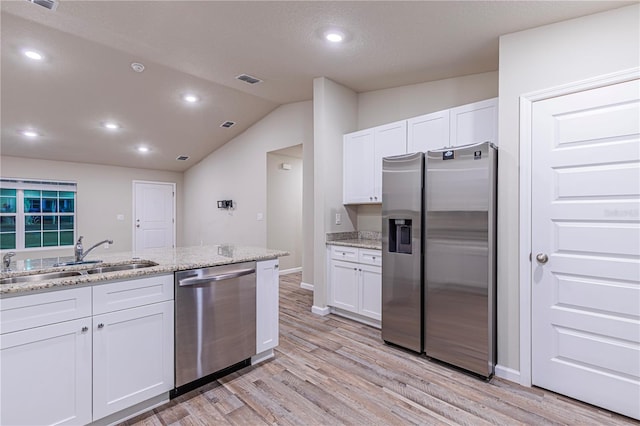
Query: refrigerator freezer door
402, 207
460, 257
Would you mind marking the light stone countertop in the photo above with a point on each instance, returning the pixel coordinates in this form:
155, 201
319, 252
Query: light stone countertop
360, 239
168, 260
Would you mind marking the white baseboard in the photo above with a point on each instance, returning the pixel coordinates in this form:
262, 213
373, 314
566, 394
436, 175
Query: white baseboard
321, 311
356, 317
306, 286
291, 270
507, 373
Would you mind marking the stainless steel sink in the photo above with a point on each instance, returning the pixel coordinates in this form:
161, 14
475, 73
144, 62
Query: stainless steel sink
39, 277
125, 267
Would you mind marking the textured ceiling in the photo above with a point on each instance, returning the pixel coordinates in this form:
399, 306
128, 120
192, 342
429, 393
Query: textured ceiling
201, 46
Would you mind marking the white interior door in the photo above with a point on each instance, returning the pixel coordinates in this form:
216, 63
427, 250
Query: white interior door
154, 212
586, 246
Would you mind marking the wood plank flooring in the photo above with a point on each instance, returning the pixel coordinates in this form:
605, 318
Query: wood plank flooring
334, 371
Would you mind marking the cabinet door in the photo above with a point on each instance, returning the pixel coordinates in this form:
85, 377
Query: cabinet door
427, 132
267, 305
46, 375
132, 356
390, 139
358, 166
371, 291
344, 285
474, 123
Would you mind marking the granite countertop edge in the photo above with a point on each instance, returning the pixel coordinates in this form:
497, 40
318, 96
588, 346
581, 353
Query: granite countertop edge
358, 243
169, 261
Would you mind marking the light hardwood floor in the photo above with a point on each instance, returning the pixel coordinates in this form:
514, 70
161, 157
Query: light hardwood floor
333, 371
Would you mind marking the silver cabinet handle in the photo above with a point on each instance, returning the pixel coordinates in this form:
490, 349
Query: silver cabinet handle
101, 325
211, 278
542, 258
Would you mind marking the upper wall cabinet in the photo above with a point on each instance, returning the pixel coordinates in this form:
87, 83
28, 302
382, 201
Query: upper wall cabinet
427, 132
362, 156
463, 125
474, 123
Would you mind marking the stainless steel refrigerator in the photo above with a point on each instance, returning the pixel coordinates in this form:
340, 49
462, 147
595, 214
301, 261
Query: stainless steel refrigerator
402, 221
460, 257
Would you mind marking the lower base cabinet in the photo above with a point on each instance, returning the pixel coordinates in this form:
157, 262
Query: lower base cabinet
355, 282
81, 368
267, 305
133, 357
57, 359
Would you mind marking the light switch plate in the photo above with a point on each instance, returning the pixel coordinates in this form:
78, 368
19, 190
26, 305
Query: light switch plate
260, 216
338, 218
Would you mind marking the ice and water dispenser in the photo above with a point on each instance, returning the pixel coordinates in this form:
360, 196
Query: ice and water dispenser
400, 236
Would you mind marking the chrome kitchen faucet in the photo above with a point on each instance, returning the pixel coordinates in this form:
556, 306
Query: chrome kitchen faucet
6, 261
79, 248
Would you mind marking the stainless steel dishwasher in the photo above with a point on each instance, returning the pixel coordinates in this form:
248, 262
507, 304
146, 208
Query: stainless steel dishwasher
215, 323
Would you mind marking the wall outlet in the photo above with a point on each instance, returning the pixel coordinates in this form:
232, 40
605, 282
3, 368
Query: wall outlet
338, 218
120, 217
259, 216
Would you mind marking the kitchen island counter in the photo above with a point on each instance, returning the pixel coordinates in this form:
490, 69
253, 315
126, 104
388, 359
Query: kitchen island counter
168, 261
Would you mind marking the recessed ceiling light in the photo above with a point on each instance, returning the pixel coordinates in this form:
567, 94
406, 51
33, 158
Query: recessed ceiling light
142, 149
111, 125
334, 36
190, 97
32, 54
30, 133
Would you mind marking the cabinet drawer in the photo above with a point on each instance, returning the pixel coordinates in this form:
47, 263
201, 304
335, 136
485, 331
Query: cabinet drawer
370, 257
344, 253
34, 310
129, 294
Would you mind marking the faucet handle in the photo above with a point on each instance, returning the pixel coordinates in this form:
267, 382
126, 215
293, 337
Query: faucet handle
9, 255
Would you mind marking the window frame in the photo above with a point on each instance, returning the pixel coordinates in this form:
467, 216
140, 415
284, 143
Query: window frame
22, 185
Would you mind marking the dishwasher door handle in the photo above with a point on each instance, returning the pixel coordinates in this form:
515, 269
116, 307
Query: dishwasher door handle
212, 278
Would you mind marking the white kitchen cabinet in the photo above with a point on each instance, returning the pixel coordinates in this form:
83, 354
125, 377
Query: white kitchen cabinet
370, 291
132, 342
428, 132
363, 152
474, 123
61, 365
267, 305
358, 164
467, 124
355, 282
344, 285
132, 356
45, 358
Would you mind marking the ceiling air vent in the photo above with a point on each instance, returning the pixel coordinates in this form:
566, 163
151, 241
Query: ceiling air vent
49, 4
182, 157
228, 124
248, 79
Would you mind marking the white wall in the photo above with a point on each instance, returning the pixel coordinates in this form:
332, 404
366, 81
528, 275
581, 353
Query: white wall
103, 193
533, 60
334, 113
399, 103
284, 207
238, 171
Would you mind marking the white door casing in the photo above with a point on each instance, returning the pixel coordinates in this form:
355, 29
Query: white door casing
153, 215
585, 218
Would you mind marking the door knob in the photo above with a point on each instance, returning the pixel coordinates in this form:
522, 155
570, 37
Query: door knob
542, 258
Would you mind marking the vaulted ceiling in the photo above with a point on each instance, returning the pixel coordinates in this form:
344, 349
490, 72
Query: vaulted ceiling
85, 77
